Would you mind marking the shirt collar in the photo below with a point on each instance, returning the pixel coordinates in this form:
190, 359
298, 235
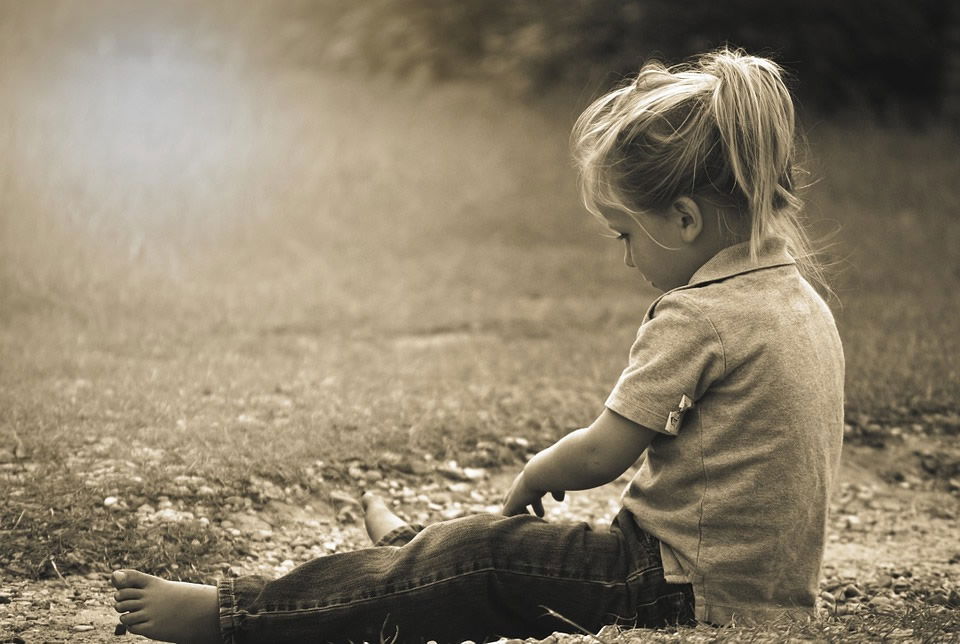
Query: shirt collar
735, 260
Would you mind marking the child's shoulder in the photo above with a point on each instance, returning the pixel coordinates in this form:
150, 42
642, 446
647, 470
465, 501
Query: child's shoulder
746, 301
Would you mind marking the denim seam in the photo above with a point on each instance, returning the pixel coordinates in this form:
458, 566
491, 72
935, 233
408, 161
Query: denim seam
405, 532
227, 600
290, 611
642, 573
676, 593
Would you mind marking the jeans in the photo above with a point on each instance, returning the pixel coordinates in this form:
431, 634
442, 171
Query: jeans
478, 578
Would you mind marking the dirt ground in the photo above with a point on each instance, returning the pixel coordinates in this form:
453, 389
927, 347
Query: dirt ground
892, 543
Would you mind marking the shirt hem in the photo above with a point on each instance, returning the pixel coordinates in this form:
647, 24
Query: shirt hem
617, 404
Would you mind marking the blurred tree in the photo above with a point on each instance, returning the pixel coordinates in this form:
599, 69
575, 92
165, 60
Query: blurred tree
951, 67
889, 55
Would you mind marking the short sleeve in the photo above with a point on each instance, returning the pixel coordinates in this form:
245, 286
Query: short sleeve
676, 357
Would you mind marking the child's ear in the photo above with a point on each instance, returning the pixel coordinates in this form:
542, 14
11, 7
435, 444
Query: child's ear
685, 213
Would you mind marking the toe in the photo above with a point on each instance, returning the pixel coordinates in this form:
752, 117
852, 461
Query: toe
368, 499
129, 579
139, 628
127, 593
131, 619
128, 606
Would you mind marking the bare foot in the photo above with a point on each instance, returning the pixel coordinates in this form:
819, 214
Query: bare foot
169, 611
378, 518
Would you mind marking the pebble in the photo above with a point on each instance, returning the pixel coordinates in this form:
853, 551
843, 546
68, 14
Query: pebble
853, 522
851, 590
881, 604
80, 628
339, 497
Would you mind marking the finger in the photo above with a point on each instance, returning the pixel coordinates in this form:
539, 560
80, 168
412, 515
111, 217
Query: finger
538, 507
558, 496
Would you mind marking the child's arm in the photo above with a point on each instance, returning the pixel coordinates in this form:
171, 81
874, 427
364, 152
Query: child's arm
583, 459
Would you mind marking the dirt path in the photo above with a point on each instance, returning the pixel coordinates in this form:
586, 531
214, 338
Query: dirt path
892, 541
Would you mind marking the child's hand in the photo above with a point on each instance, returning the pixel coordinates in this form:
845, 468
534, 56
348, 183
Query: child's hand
520, 495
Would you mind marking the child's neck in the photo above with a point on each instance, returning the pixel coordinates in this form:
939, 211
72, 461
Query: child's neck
720, 233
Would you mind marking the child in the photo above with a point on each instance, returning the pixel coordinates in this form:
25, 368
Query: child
733, 390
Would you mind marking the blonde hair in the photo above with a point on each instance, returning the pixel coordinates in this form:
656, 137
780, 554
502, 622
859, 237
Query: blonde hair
720, 127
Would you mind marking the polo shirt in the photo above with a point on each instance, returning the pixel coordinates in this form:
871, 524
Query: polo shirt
740, 372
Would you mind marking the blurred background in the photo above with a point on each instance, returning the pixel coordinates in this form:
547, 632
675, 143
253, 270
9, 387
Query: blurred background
277, 195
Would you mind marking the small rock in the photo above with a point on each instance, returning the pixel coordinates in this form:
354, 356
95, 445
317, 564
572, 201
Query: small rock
167, 515
452, 470
110, 501
939, 598
881, 604
852, 522
346, 515
516, 441
120, 629
81, 628
900, 633
339, 497
851, 590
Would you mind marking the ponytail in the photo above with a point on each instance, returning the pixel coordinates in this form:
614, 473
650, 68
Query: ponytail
722, 126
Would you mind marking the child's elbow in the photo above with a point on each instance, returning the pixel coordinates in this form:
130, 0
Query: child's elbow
600, 466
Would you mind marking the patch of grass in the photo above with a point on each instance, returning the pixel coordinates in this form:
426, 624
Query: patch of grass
56, 524
925, 624
896, 260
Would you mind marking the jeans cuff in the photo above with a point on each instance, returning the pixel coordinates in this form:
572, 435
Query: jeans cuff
227, 598
399, 536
